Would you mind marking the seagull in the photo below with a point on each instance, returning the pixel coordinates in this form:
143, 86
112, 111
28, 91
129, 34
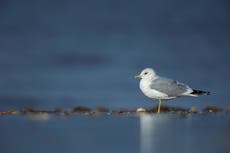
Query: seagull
161, 88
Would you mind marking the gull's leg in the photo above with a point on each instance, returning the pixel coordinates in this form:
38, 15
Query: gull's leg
159, 106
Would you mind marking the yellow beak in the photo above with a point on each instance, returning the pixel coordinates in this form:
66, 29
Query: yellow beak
137, 76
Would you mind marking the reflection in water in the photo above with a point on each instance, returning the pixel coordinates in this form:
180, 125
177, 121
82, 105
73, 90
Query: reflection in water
151, 133
159, 134
183, 133
146, 128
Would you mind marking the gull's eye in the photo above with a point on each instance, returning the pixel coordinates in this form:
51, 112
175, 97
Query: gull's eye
145, 73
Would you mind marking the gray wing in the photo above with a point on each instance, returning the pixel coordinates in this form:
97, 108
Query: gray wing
168, 86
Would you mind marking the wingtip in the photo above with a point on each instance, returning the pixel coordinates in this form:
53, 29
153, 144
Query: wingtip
199, 92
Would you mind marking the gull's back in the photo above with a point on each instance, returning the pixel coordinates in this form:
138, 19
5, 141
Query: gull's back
170, 87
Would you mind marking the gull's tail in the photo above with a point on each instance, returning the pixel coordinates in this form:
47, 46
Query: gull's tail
199, 92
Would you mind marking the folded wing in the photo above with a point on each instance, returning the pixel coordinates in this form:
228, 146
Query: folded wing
170, 87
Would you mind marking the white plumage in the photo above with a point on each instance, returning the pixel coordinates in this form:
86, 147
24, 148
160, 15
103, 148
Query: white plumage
161, 88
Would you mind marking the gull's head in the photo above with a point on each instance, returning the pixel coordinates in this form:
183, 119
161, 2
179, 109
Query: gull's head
147, 73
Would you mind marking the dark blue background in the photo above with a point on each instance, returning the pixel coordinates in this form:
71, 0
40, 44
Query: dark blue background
69, 53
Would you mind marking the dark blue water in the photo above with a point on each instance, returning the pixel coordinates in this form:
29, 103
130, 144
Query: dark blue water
58, 54
144, 134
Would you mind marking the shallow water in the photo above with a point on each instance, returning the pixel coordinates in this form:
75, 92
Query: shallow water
132, 134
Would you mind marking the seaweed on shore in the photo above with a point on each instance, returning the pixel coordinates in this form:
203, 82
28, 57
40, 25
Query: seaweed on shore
102, 110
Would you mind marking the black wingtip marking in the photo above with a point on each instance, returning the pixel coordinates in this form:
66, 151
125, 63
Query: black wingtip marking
199, 92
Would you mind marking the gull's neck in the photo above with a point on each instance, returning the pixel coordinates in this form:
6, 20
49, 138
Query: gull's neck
155, 77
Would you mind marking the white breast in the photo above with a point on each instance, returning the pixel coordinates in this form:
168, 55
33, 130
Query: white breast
151, 93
